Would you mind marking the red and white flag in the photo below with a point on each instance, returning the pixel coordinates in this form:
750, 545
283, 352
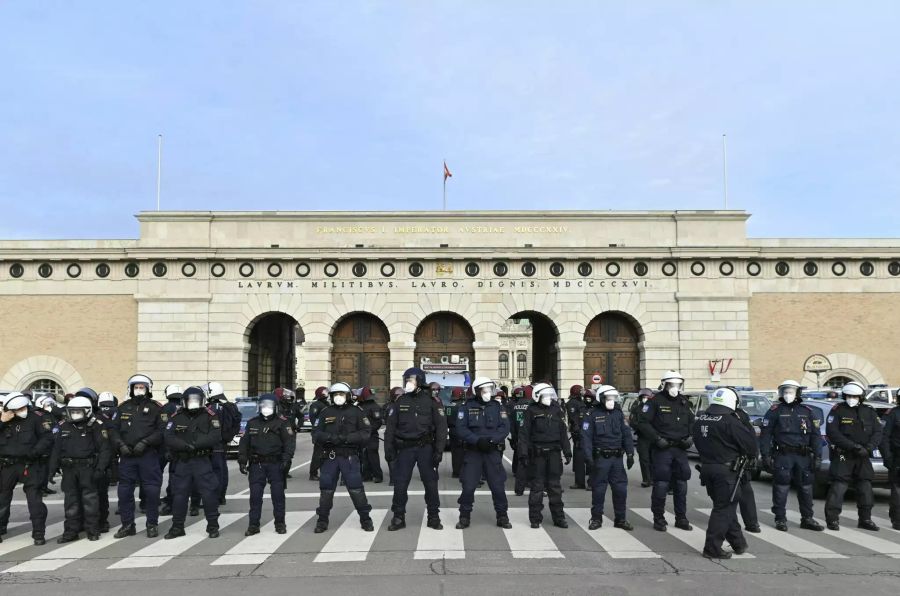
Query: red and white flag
447, 173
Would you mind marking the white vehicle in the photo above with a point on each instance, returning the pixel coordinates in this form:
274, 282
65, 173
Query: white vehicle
451, 371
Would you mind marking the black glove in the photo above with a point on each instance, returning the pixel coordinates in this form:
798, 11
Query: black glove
686, 443
768, 464
139, 448
862, 451
436, 459
567, 459
512, 444
242, 467
124, 450
661, 443
629, 461
389, 456
286, 467
483, 444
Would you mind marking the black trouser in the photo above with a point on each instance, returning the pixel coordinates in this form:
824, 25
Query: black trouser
81, 502
102, 483
845, 469
521, 473
196, 499
410, 457
794, 467
723, 523
643, 450
457, 455
579, 463
30, 476
747, 502
316, 461
371, 462
545, 470
894, 479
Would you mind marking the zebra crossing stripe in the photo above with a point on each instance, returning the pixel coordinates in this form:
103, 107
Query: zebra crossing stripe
22, 540
617, 543
695, 538
64, 555
862, 538
350, 542
445, 544
526, 542
790, 543
162, 551
254, 550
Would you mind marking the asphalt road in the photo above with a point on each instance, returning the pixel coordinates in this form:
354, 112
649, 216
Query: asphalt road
482, 559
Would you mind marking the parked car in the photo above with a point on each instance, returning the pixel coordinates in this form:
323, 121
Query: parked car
248, 408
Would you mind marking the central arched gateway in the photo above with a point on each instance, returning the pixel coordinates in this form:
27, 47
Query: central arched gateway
445, 334
360, 354
611, 351
272, 359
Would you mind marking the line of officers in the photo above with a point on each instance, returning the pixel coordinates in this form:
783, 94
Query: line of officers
191, 431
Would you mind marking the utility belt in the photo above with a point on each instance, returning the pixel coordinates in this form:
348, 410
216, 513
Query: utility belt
419, 442
790, 449
13, 460
189, 455
265, 459
546, 448
334, 452
493, 447
608, 453
849, 453
74, 462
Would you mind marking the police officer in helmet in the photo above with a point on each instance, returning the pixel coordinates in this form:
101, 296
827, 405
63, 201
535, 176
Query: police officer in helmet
265, 452
457, 447
320, 401
230, 421
575, 410
483, 425
666, 420
722, 440
415, 436
890, 451
854, 432
791, 445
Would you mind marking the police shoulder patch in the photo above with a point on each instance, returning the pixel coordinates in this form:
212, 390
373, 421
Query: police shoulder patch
55, 429
586, 425
831, 419
366, 421
104, 434
816, 423
461, 415
169, 425
390, 411
47, 424
646, 408
503, 414
215, 423
163, 416
289, 430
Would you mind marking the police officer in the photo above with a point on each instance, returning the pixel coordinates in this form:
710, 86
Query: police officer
371, 461
890, 451
25, 440
107, 408
483, 425
230, 421
791, 448
746, 498
340, 430
319, 402
457, 447
192, 436
667, 420
173, 403
605, 438
722, 440
138, 438
47, 404
394, 395
643, 443
519, 404
575, 410
542, 437
81, 449
265, 451
854, 432
415, 435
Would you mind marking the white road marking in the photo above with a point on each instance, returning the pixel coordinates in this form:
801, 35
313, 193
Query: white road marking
254, 550
444, 544
695, 538
617, 543
526, 542
790, 543
350, 542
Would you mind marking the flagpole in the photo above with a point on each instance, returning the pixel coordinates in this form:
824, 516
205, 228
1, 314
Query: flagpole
445, 184
158, 167
725, 170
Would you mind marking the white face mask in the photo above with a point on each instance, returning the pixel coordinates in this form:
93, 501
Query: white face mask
485, 392
789, 398
22, 413
140, 391
267, 411
852, 401
610, 404
339, 399
546, 400
193, 404
410, 386
76, 416
48, 407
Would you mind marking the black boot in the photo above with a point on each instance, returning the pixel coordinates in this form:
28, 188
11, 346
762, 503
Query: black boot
166, 509
660, 524
435, 523
212, 531
360, 503
124, 531
174, 532
326, 501
194, 511
503, 522
623, 524
683, 524
811, 524
867, 524
463, 522
596, 524
321, 525
561, 523
280, 527
833, 524
251, 530
38, 538
104, 527
781, 525
397, 523
152, 531
66, 538
366, 524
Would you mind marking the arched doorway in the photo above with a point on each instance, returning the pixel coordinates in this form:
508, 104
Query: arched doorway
360, 354
272, 358
445, 334
612, 352
532, 340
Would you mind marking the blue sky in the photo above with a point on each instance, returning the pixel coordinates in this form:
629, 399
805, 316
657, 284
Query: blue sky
353, 105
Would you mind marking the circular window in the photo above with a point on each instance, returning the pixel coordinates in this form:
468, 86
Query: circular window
585, 269
331, 269
782, 268
810, 268
45, 270
557, 269
73, 270
160, 269
274, 269
698, 268
217, 270
613, 269
359, 269
188, 269
102, 270
246, 269
132, 269
472, 269
839, 268
866, 268
501, 269
528, 269
753, 268
387, 269
726, 268
894, 268
16, 270
416, 269
641, 269
302, 269
669, 269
